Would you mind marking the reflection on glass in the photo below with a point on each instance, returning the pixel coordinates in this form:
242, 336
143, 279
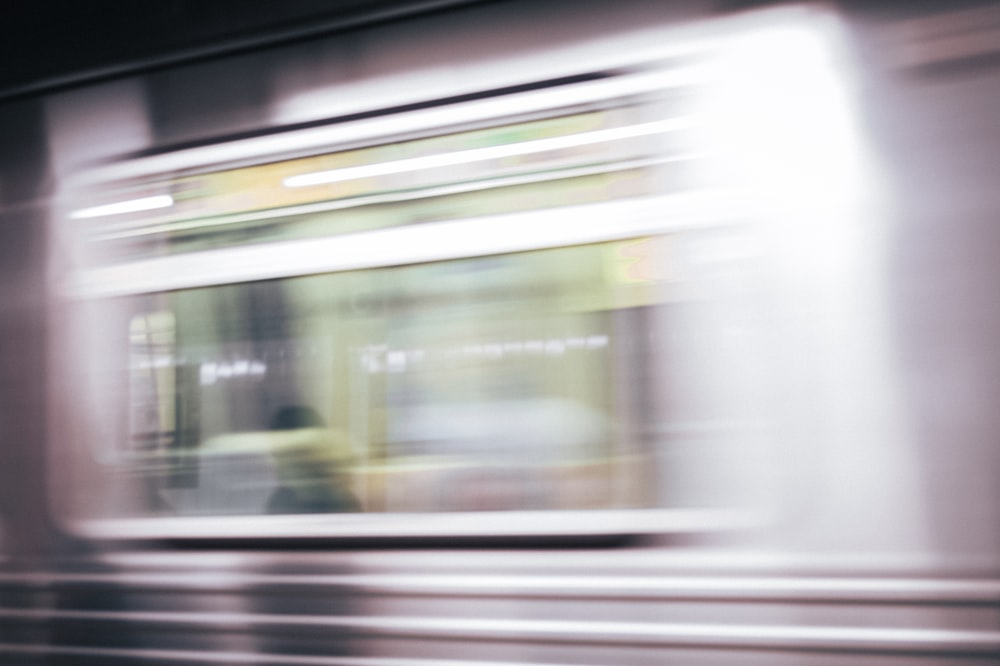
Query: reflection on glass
480, 384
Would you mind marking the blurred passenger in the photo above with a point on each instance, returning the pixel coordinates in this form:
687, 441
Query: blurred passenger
312, 463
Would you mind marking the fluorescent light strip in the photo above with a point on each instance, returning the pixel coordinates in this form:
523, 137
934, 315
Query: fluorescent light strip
129, 206
134, 228
489, 153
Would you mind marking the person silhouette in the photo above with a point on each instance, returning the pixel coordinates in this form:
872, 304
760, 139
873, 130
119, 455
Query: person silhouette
311, 462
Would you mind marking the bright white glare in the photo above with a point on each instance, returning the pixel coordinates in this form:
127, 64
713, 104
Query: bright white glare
780, 110
489, 153
129, 206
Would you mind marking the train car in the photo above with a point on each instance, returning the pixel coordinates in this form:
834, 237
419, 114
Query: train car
511, 334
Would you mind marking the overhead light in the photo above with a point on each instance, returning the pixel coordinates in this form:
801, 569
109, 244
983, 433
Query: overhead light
488, 153
129, 206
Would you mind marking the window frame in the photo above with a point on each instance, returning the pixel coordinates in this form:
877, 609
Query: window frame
467, 238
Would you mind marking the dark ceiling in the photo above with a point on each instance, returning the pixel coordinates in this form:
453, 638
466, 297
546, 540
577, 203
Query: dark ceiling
52, 43
46, 44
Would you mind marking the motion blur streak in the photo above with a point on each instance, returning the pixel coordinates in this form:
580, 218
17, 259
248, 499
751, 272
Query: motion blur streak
508, 334
492, 153
130, 206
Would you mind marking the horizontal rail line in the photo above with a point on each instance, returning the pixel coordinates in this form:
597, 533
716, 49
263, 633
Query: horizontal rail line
639, 588
564, 632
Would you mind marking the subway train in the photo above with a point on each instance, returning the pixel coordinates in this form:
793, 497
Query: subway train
679, 348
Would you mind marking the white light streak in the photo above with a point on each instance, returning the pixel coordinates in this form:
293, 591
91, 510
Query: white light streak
211, 372
432, 241
129, 206
488, 153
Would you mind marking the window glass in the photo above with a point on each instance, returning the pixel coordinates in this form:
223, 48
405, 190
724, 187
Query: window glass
480, 384
614, 371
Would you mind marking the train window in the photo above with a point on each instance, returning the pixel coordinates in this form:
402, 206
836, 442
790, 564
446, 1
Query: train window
541, 380
615, 375
536, 316
480, 384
